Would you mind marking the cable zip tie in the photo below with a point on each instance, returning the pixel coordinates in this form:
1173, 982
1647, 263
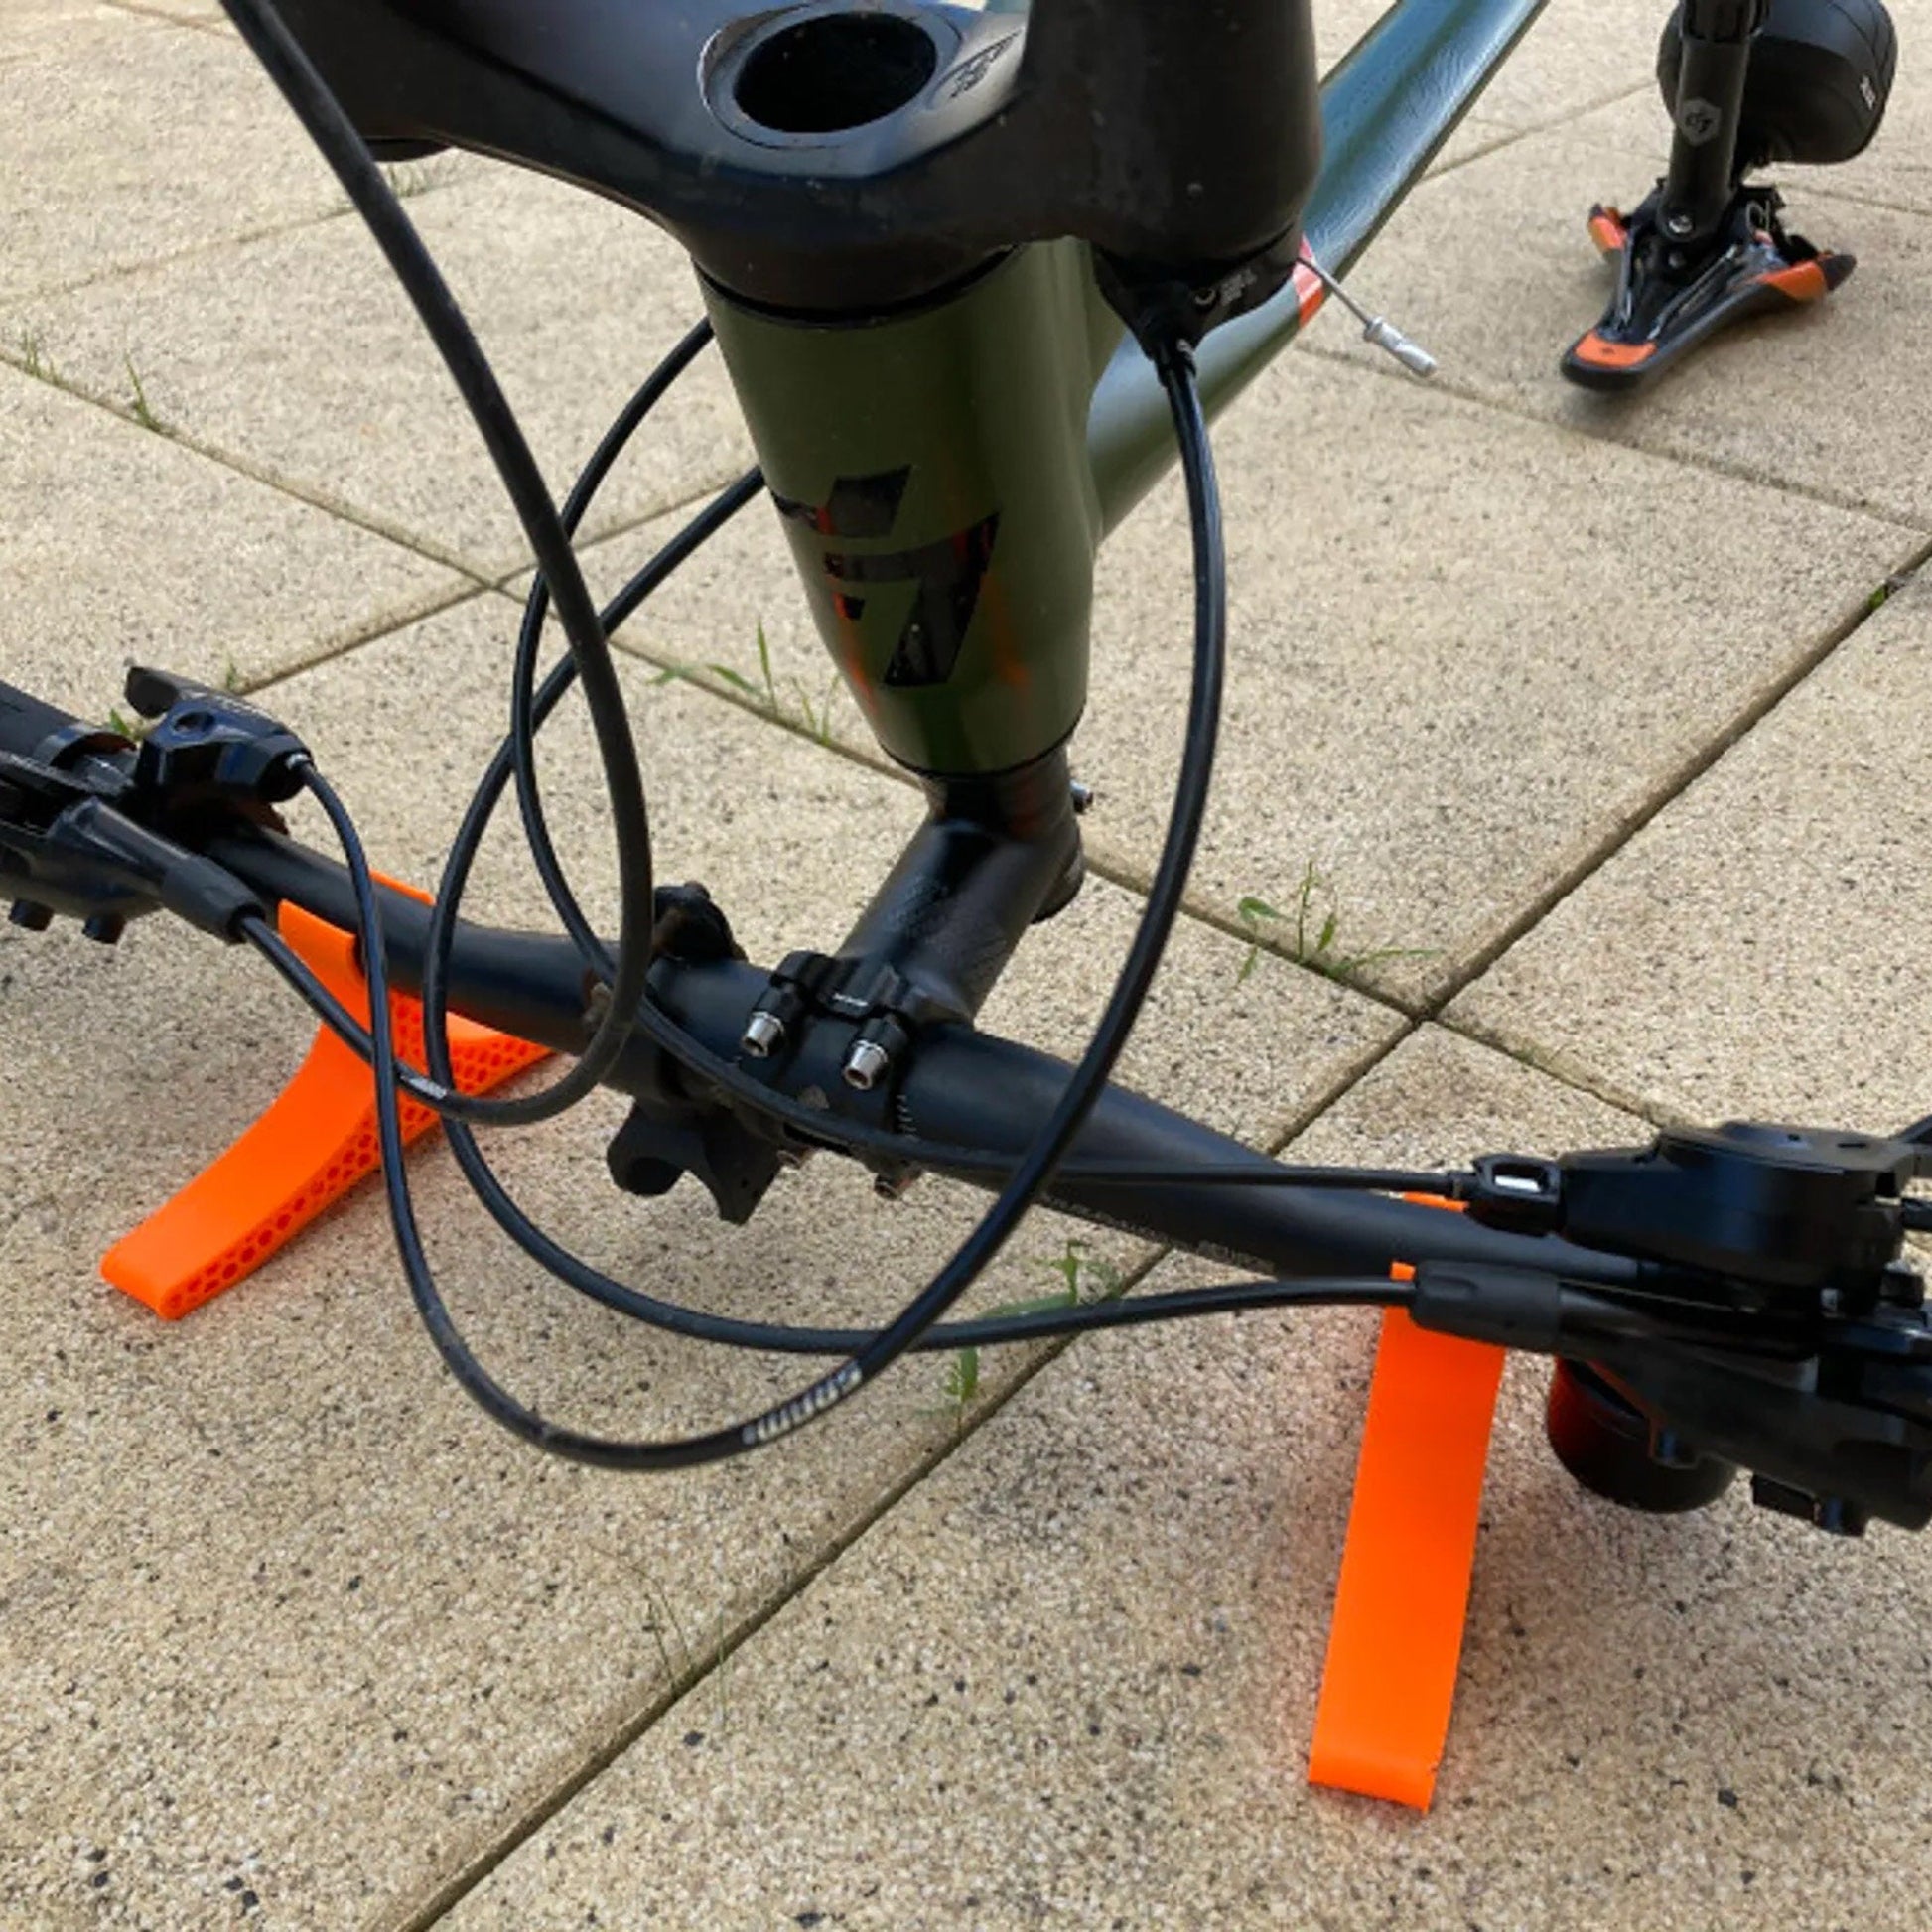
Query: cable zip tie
315, 1143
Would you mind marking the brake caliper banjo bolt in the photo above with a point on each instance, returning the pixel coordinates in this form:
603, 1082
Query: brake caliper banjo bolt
866, 1065
764, 1035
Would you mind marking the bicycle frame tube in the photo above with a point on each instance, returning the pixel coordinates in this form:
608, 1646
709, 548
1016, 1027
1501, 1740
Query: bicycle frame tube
1386, 109
933, 476
946, 475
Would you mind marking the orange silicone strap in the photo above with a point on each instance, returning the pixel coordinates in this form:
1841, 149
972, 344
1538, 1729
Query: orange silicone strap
1395, 1643
314, 1144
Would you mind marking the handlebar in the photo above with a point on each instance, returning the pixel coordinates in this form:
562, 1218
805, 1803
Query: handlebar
29, 726
1737, 1286
971, 1094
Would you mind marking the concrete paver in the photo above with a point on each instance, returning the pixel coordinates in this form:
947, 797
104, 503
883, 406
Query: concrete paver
1759, 949
122, 546
1827, 401
1070, 1679
1448, 677
198, 13
284, 1609
299, 354
141, 141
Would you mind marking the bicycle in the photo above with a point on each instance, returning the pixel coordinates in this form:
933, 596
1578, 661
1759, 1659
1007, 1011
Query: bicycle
891, 201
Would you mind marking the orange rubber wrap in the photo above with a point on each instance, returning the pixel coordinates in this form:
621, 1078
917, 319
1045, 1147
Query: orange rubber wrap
1395, 1642
313, 1144
1608, 231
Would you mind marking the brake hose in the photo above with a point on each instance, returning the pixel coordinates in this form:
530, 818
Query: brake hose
288, 65
1088, 1080
591, 661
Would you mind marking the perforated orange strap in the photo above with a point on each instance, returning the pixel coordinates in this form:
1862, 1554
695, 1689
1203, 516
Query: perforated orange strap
314, 1144
1395, 1643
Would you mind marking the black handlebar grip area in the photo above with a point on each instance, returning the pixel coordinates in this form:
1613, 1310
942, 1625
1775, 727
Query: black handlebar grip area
27, 723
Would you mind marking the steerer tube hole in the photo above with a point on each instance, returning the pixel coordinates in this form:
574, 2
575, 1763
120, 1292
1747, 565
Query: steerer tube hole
834, 71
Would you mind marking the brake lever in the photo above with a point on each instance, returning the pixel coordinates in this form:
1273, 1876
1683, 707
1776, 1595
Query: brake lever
1780, 1330
208, 746
89, 826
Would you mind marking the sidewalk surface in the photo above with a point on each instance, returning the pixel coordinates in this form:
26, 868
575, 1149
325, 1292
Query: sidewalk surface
1600, 732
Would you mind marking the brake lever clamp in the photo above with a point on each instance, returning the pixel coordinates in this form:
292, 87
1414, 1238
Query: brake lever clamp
85, 823
674, 1128
207, 746
1783, 1335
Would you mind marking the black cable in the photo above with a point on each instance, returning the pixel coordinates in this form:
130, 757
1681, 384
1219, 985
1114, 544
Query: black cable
440, 1095
288, 65
570, 1269
559, 574
697, 1324
522, 735
790, 1338
1088, 1080
482, 807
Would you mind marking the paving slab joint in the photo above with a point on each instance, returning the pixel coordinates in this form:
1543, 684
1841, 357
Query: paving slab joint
1508, 135
445, 1897
1668, 790
136, 11
27, 353
1444, 382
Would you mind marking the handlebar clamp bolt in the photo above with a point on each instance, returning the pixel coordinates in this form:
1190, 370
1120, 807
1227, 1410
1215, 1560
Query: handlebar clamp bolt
764, 1035
866, 1065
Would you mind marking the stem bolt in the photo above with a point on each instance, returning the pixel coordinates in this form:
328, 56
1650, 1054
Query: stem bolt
866, 1065
764, 1035
1678, 225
